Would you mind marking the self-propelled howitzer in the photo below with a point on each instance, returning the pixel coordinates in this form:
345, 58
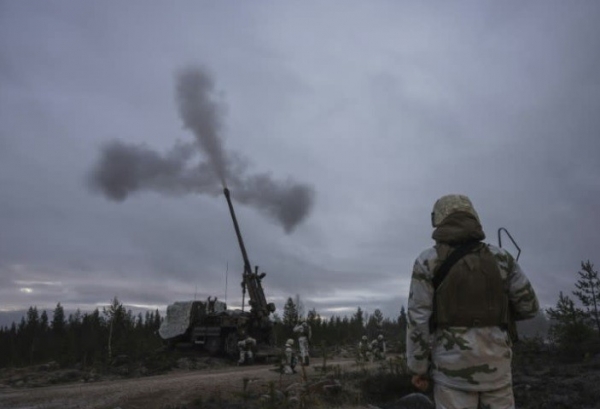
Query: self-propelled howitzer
210, 326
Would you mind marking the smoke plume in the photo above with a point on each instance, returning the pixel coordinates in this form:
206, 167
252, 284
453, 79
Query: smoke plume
202, 166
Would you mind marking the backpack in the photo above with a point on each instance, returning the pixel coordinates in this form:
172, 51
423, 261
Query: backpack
469, 290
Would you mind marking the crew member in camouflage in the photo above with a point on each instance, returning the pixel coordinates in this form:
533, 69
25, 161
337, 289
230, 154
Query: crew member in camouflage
289, 358
245, 347
304, 333
364, 350
470, 366
380, 348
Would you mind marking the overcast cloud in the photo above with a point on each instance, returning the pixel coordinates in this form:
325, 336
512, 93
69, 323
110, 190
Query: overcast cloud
371, 109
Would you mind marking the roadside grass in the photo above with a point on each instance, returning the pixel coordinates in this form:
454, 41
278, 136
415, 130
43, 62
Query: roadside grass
326, 386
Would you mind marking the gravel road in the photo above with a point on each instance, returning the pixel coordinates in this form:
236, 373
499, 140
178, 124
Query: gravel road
160, 391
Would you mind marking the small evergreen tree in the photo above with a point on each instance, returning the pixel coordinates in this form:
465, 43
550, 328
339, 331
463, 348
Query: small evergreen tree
402, 320
116, 317
290, 313
569, 328
588, 292
358, 323
58, 320
374, 324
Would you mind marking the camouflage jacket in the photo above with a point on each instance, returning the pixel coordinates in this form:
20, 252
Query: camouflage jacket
470, 359
303, 330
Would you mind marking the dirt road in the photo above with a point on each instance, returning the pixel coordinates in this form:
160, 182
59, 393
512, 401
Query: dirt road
160, 391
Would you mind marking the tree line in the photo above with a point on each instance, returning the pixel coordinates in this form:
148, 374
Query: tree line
90, 339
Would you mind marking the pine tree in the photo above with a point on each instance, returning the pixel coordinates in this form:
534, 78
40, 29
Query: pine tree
374, 324
569, 328
290, 313
573, 327
588, 292
358, 320
402, 320
402, 327
313, 318
116, 317
32, 332
157, 321
58, 320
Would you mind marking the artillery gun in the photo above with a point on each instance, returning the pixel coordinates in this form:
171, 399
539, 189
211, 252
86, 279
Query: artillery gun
211, 327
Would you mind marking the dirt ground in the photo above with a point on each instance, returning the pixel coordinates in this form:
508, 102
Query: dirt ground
171, 390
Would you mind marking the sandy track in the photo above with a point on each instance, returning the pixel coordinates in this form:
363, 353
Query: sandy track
149, 392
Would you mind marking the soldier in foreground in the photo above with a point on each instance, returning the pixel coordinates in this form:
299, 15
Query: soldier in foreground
304, 334
464, 295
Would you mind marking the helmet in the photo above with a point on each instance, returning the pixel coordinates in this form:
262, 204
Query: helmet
380, 337
289, 342
364, 338
449, 204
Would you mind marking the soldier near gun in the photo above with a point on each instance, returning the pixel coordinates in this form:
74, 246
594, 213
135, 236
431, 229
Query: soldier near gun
246, 347
290, 359
304, 334
378, 347
364, 349
464, 296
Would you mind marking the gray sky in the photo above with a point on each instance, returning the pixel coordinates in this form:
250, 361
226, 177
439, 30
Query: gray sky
375, 108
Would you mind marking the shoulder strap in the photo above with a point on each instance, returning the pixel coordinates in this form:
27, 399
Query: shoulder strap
441, 272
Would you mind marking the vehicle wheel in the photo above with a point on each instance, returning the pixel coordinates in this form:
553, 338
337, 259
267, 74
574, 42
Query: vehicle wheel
231, 342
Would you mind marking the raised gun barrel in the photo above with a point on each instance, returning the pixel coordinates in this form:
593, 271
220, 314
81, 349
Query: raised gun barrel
247, 266
251, 281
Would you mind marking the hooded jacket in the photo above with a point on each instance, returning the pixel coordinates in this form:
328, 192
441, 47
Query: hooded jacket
469, 359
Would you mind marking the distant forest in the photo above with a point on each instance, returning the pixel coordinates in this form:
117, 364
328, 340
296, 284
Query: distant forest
79, 338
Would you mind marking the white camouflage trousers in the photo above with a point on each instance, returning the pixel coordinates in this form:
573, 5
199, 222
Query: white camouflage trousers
448, 398
289, 363
303, 344
245, 356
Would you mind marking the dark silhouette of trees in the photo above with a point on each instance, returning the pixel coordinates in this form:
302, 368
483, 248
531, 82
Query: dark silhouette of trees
588, 292
576, 330
80, 338
290, 313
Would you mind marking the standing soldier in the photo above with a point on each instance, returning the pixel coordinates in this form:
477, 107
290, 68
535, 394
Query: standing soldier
304, 334
289, 363
464, 297
379, 349
246, 347
363, 349
373, 350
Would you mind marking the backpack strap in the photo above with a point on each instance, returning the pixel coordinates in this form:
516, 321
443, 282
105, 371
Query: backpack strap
441, 272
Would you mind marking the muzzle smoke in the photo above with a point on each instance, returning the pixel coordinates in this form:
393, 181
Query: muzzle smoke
124, 169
